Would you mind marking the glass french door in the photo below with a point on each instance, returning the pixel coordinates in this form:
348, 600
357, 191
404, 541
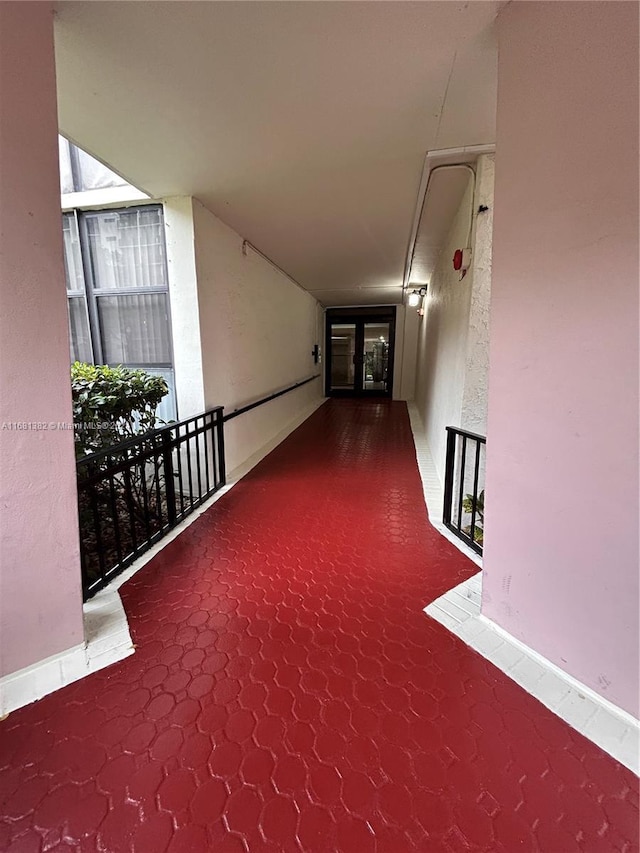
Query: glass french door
360, 355
375, 357
342, 356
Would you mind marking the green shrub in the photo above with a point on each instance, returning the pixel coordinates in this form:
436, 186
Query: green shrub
467, 505
112, 404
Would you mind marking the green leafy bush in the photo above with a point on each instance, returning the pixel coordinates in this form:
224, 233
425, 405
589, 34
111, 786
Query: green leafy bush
112, 404
467, 505
122, 508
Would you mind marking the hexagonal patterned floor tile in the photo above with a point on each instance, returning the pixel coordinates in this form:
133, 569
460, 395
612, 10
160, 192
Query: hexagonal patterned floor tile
289, 694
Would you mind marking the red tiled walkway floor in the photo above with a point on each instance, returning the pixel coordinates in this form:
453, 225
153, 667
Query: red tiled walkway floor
289, 694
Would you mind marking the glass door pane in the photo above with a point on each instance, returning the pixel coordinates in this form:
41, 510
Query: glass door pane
343, 352
375, 362
359, 348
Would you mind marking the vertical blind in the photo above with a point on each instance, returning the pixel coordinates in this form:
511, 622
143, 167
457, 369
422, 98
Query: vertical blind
117, 291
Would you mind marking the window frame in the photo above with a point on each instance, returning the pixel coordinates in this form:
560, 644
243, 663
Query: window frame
92, 294
80, 294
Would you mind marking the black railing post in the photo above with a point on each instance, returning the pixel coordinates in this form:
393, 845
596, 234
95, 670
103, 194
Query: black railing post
474, 505
220, 440
169, 485
463, 466
448, 475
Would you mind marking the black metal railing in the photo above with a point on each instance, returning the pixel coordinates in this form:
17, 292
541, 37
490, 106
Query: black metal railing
132, 494
463, 511
254, 405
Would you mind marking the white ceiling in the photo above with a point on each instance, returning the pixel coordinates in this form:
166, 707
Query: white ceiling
303, 125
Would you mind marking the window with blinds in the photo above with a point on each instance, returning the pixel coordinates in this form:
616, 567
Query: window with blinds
117, 291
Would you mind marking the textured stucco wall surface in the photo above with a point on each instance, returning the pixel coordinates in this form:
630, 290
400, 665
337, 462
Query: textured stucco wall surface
561, 545
257, 330
473, 414
442, 340
452, 360
407, 328
40, 593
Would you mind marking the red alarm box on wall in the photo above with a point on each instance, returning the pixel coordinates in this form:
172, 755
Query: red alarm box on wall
462, 259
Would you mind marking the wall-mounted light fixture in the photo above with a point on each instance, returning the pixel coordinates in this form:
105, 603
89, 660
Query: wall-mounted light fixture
415, 297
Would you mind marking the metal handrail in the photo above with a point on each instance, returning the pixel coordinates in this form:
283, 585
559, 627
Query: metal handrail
247, 408
106, 487
464, 432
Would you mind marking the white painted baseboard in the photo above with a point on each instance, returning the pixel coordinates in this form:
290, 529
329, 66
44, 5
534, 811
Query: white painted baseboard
107, 640
107, 637
612, 729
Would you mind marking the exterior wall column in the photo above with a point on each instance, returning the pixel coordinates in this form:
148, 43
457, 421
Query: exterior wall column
473, 411
185, 313
40, 586
561, 536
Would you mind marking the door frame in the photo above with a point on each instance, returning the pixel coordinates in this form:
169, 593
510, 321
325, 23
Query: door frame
360, 316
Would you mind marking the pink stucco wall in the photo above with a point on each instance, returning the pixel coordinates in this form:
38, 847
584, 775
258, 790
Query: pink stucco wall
561, 555
40, 597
